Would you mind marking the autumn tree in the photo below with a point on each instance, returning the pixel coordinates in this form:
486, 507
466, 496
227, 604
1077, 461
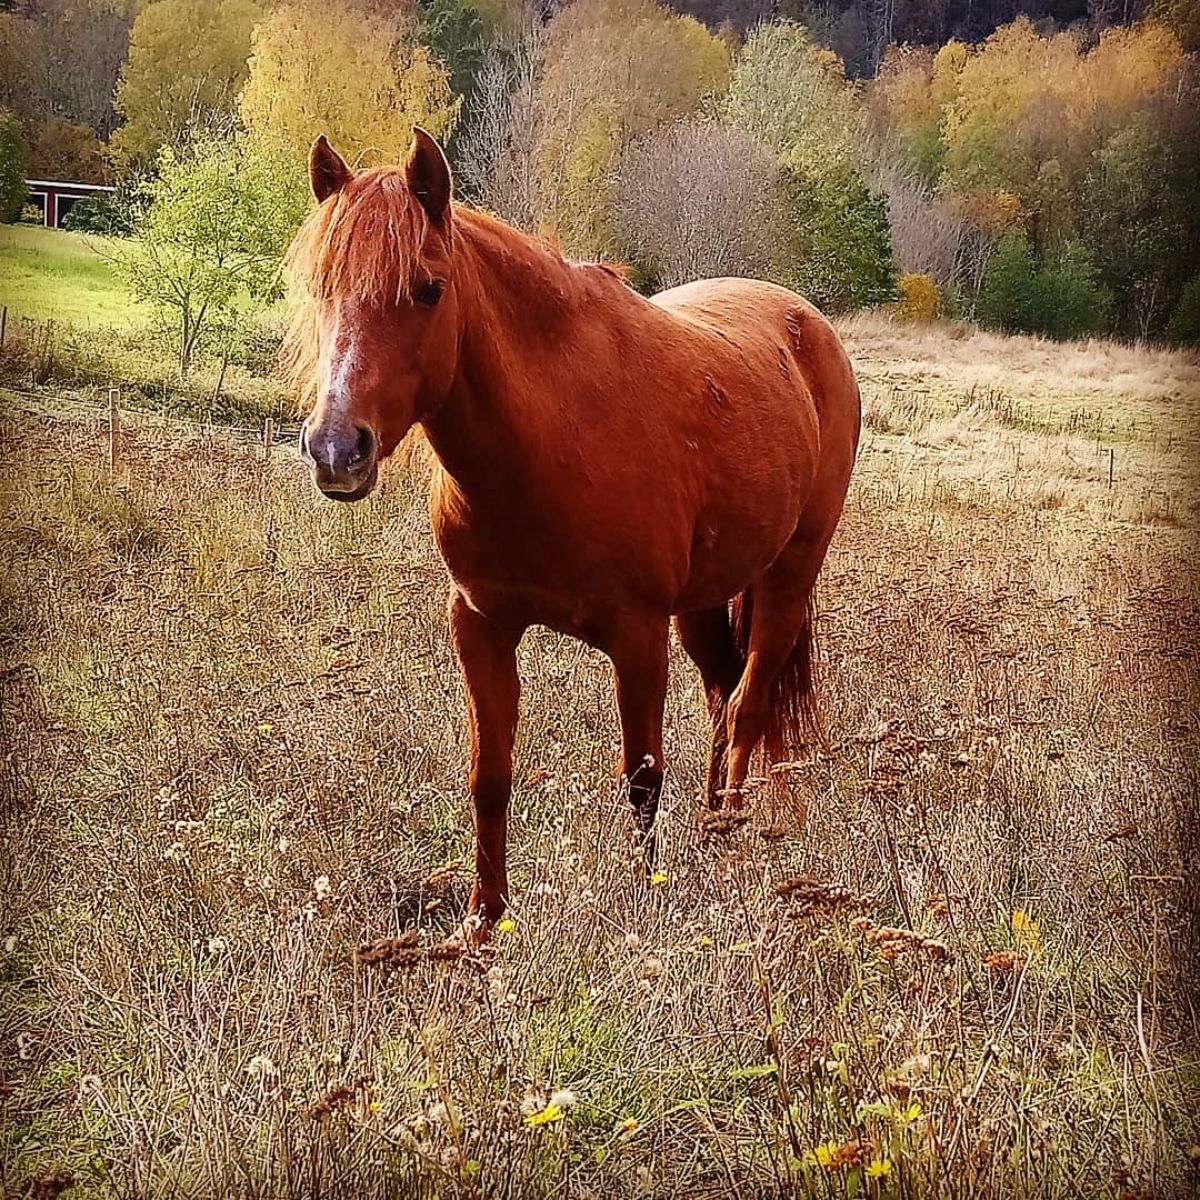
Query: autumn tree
358, 76
187, 63
613, 71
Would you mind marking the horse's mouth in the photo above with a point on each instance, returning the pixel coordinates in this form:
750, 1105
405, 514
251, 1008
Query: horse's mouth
361, 492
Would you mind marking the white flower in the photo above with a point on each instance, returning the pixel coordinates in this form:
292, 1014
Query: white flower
283, 844
10, 943
260, 1067
322, 888
564, 1098
217, 945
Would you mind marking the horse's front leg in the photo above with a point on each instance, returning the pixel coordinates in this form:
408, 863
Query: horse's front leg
639, 657
487, 653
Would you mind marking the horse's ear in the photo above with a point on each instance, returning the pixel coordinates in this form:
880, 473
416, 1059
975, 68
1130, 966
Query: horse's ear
327, 171
428, 175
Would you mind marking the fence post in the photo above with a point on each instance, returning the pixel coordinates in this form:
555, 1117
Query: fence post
268, 437
3, 324
114, 429
1112, 462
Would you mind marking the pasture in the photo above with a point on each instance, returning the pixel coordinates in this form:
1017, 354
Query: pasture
234, 797
50, 274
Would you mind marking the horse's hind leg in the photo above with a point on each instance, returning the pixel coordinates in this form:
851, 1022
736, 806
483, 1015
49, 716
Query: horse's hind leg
779, 617
708, 640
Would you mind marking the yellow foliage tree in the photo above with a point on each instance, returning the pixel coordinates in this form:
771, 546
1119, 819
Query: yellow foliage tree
614, 70
187, 62
362, 79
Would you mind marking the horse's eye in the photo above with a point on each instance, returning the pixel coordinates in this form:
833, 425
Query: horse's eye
429, 292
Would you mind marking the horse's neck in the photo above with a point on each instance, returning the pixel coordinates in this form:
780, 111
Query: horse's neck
527, 316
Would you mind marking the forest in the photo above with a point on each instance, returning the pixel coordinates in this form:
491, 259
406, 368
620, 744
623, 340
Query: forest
1030, 166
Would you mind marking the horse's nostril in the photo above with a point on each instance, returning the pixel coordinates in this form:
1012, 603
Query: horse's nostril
304, 441
363, 447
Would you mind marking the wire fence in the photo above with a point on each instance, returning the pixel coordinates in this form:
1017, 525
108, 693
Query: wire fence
42, 401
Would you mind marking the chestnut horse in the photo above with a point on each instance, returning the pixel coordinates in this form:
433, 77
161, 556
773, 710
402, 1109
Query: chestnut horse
605, 462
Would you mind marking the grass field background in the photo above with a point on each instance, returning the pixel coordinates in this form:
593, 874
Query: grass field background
54, 275
236, 756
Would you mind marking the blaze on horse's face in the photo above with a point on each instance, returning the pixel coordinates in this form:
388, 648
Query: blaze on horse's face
386, 315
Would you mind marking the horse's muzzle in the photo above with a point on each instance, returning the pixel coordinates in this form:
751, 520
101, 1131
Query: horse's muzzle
343, 459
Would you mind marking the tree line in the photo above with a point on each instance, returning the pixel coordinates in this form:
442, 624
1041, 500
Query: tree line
1032, 166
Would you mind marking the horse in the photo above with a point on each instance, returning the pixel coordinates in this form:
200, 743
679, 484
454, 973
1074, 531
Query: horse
605, 464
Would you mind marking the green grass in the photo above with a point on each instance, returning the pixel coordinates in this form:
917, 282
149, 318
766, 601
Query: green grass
53, 275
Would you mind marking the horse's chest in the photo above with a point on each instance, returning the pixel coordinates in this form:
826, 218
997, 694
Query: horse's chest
517, 574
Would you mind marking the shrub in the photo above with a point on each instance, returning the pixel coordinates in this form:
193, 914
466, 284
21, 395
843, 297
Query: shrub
842, 251
103, 213
13, 188
1184, 326
919, 299
1059, 297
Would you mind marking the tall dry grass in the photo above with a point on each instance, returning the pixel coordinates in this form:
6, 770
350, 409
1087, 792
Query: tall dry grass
235, 758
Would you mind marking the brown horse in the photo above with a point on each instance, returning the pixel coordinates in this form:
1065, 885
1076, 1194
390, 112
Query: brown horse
605, 462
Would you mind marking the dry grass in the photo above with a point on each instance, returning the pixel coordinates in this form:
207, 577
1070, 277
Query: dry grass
234, 782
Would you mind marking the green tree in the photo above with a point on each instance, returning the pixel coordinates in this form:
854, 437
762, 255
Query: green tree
841, 252
212, 225
1060, 297
13, 190
187, 63
794, 97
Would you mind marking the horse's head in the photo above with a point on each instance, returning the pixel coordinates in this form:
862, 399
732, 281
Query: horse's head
375, 329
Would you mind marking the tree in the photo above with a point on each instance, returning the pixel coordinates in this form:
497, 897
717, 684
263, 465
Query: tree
13, 190
59, 60
214, 221
187, 63
793, 96
698, 199
613, 71
1059, 297
64, 150
360, 78
497, 151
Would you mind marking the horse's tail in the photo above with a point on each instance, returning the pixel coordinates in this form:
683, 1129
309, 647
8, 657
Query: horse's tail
795, 718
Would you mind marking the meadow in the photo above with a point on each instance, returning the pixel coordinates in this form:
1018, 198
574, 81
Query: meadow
236, 830
72, 325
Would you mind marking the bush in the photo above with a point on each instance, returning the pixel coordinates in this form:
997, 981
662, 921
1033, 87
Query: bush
1060, 297
1184, 326
103, 213
919, 299
842, 250
13, 189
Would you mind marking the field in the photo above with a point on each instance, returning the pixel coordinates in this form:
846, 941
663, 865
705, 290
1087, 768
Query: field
235, 755
49, 274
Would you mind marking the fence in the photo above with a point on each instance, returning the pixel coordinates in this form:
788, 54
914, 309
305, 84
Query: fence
115, 419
